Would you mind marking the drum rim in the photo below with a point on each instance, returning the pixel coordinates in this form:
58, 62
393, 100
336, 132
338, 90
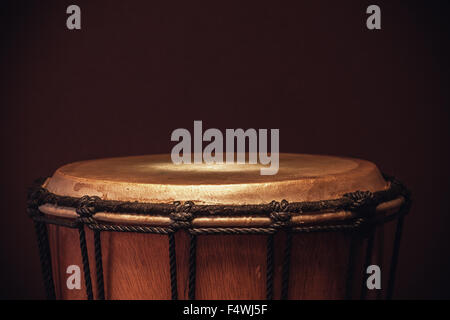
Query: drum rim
347, 212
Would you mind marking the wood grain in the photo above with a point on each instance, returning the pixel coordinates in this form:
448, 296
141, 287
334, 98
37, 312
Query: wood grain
136, 266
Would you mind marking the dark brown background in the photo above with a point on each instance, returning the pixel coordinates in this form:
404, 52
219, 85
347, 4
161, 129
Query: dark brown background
139, 69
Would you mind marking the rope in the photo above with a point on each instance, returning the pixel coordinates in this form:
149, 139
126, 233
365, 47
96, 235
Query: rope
350, 268
367, 263
85, 259
129, 228
184, 212
173, 267
286, 266
202, 231
394, 259
398, 236
99, 265
270, 263
192, 266
45, 258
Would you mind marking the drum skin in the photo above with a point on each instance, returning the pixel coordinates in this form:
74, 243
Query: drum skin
136, 265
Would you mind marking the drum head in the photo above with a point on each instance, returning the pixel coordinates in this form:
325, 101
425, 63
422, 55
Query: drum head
154, 178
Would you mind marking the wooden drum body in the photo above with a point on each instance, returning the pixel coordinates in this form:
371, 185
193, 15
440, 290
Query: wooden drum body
144, 228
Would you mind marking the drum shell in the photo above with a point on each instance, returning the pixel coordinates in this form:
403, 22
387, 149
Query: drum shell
324, 265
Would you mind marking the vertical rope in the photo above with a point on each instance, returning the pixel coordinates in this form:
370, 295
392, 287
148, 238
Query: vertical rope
394, 259
173, 266
85, 259
45, 258
367, 263
270, 262
351, 267
192, 266
286, 266
99, 265
380, 253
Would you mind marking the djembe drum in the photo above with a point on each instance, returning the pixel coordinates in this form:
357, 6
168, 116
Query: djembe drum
143, 228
